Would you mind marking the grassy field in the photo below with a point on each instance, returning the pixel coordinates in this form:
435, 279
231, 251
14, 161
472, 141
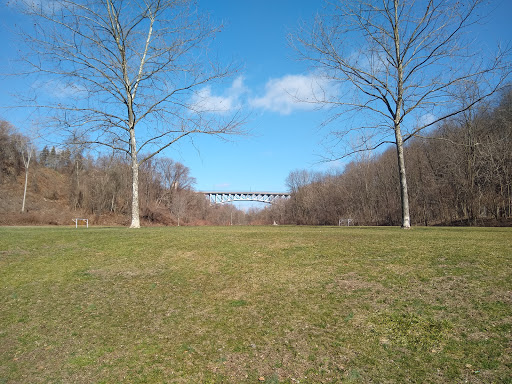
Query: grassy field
255, 304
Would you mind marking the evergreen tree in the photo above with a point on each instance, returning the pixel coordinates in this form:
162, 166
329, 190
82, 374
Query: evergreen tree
43, 156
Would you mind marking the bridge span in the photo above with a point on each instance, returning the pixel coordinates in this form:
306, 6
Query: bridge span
216, 197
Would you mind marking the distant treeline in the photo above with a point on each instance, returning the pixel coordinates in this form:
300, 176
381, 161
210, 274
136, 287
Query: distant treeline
459, 174
99, 187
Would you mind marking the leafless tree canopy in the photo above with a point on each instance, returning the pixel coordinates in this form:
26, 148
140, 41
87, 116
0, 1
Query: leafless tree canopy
396, 65
400, 60
125, 74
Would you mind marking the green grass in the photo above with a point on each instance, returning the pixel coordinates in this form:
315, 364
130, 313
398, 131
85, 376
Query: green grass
234, 304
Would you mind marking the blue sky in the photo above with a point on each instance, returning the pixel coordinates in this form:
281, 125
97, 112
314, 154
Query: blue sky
284, 135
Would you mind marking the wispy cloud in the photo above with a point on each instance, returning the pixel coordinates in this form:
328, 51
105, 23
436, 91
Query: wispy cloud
282, 95
58, 89
426, 119
206, 101
293, 92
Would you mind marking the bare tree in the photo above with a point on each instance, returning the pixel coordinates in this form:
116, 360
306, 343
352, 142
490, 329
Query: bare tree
25, 146
126, 74
27, 150
179, 204
175, 175
298, 179
400, 61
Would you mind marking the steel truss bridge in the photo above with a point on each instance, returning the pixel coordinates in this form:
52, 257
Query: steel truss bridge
227, 197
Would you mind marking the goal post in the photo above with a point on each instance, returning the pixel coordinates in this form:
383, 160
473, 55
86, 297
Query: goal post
84, 220
345, 222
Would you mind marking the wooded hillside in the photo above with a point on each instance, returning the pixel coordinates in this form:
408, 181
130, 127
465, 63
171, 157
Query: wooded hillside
63, 185
459, 174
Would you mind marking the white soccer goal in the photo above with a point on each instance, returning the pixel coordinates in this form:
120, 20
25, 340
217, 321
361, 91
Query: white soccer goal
84, 220
345, 222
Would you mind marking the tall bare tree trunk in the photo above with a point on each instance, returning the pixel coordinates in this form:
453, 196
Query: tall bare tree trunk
135, 181
25, 190
404, 194
406, 221
26, 151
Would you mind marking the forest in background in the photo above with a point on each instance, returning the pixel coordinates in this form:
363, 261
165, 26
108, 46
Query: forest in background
458, 174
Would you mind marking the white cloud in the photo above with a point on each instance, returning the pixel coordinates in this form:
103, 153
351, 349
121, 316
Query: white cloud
205, 101
293, 92
426, 119
59, 89
282, 95
238, 88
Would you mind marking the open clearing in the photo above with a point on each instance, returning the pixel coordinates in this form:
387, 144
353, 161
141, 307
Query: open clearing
247, 304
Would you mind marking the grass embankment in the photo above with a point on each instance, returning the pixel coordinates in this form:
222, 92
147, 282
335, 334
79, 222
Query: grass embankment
242, 304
